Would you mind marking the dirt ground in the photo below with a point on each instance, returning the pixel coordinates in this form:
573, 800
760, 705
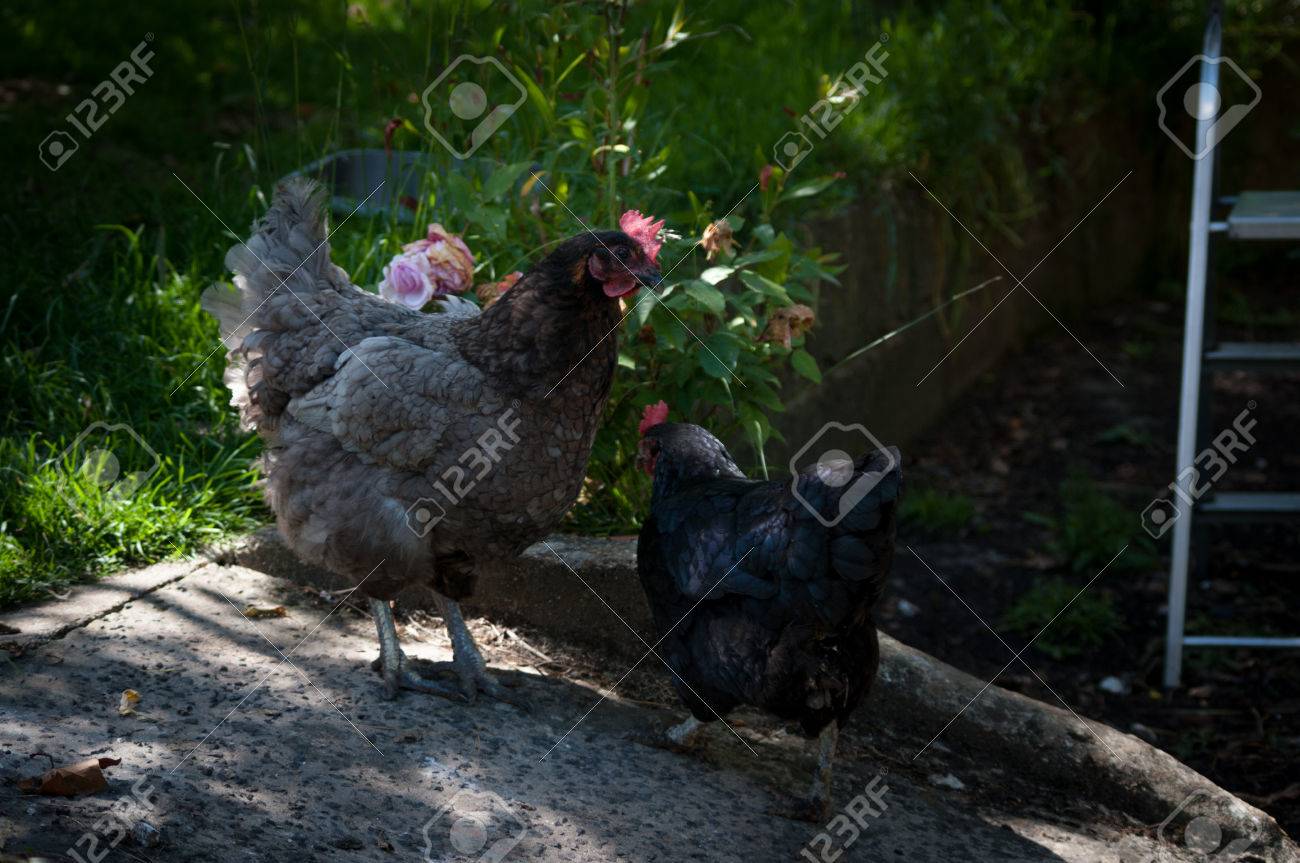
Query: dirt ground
236, 754
1052, 410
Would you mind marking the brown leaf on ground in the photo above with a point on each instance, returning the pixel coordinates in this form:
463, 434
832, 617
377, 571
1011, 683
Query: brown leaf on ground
84, 777
252, 612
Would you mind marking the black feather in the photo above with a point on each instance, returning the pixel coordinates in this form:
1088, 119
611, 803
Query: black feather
757, 601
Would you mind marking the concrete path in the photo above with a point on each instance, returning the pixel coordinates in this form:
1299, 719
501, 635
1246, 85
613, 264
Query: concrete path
237, 753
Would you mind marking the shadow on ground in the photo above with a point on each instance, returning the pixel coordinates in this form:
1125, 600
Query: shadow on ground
304, 761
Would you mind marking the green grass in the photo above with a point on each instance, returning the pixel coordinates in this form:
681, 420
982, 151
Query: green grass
1094, 527
110, 353
106, 257
1127, 434
1088, 622
937, 512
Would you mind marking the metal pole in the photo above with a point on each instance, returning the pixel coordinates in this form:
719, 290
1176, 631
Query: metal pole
1193, 333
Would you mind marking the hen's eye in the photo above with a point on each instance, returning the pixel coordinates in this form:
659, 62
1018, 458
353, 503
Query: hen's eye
623, 253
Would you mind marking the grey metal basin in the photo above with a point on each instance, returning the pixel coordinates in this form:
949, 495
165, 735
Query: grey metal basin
353, 175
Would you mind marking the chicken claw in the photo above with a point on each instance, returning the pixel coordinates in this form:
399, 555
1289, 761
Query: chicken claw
467, 662
685, 738
392, 660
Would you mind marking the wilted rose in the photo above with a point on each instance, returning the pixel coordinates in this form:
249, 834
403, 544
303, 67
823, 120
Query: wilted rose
490, 292
451, 264
788, 323
718, 240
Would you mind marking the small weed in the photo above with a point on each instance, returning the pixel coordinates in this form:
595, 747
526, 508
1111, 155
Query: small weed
1094, 527
1088, 621
1138, 350
937, 512
1127, 434
1236, 308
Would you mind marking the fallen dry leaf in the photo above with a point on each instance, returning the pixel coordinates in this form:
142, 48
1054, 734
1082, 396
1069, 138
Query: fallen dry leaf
126, 706
84, 777
253, 612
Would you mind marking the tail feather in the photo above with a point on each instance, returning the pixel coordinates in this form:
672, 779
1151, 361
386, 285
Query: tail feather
861, 513
287, 249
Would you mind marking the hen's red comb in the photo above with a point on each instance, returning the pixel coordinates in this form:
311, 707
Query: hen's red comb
645, 231
653, 416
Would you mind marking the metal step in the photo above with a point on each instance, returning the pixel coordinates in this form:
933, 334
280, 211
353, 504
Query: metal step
1239, 641
1250, 506
1265, 216
1259, 356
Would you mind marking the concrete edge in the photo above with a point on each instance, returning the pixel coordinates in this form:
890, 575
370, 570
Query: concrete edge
586, 590
37, 623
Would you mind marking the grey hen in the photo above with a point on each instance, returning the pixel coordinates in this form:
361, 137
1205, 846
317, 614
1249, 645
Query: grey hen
404, 447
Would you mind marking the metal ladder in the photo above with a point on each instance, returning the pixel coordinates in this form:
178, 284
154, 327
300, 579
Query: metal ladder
1251, 216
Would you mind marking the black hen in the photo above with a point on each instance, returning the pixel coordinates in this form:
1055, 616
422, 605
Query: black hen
757, 600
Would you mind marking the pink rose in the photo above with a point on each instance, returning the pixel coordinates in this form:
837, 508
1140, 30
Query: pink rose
407, 281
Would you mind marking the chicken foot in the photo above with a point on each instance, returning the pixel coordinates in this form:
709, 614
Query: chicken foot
467, 661
816, 807
392, 660
686, 733
684, 738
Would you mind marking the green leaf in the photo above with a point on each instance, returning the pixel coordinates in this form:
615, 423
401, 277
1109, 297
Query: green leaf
762, 394
713, 275
536, 96
808, 189
718, 353
573, 65
765, 286
804, 364
777, 268
757, 257
502, 179
641, 313
491, 219
460, 194
707, 295
667, 328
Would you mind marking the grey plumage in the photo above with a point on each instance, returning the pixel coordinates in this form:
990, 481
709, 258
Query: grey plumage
367, 407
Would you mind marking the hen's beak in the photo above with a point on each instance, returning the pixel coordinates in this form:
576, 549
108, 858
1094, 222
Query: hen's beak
649, 278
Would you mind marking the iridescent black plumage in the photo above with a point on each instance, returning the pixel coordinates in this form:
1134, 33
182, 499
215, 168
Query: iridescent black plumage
762, 603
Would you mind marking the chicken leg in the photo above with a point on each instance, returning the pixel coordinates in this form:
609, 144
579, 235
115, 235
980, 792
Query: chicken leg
820, 796
392, 661
816, 807
467, 662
